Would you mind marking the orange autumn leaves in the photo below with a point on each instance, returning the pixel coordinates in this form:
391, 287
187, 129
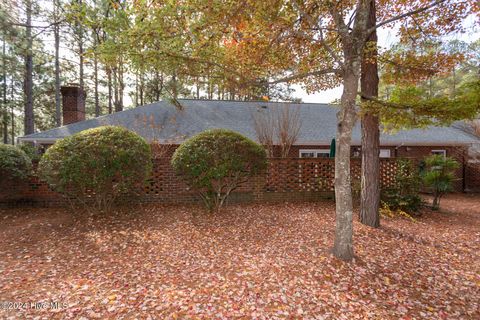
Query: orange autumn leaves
410, 67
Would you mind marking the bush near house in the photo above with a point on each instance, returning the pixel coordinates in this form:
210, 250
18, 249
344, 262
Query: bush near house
32, 151
14, 163
438, 176
216, 162
404, 194
99, 164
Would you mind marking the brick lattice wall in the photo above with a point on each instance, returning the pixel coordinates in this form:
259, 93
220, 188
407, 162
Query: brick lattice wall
472, 177
290, 179
285, 180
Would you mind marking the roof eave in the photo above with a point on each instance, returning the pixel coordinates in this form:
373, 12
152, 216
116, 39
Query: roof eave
37, 140
395, 144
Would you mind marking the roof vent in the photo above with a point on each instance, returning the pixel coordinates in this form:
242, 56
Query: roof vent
263, 106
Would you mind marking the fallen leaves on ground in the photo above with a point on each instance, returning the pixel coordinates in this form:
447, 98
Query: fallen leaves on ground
268, 261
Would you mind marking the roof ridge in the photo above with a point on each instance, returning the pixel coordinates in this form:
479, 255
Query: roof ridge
259, 101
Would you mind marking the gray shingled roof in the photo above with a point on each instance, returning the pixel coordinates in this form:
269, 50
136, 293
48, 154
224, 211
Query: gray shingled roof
165, 122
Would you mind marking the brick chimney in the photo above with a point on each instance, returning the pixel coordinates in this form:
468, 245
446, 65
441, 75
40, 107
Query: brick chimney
73, 101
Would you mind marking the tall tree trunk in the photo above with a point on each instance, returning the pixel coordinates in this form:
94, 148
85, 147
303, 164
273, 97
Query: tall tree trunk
137, 89
109, 85
346, 117
142, 84
209, 86
121, 86
370, 180
56, 33
430, 87
80, 49
198, 88
4, 94
29, 121
353, 47
157, 86
174, 83
5, 126
454, 78
95, 78
115, 88
12, 109
96, 40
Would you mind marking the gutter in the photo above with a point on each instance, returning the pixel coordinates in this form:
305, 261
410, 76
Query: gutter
392, 144
36, 140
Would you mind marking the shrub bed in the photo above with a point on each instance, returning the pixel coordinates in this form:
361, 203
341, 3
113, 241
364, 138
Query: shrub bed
216, 162
97, 166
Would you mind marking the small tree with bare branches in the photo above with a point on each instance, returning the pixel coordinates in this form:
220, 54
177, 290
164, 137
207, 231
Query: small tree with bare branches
287, 127
280, 125
162, 147
264, 125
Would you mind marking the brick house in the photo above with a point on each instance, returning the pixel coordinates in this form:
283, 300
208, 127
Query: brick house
169, 123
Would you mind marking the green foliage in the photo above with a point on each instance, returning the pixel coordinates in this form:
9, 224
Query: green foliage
14, 163
31, 151
429, 84
439, 176
99, 164
408, 107
216, 162
403, 195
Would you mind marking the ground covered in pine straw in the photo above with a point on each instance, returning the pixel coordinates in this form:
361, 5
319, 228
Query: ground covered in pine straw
249, 262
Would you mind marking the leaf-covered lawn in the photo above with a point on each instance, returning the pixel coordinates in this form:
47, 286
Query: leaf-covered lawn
250, 262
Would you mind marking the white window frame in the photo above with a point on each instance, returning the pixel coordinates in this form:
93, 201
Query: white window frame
439, 151
385, 156
314, 151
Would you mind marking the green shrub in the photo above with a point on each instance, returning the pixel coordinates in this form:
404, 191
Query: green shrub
99, 164
404, 195
14, 163
438, 176
216, 162
32, 152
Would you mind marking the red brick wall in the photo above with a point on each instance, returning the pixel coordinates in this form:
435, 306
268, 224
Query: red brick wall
73, 104
458, 153
285, 180
418, 152
472, 177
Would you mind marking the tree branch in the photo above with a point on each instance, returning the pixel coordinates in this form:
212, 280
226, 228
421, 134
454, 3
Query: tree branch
256, 82
322, 39
304, 75
36, 27
342, 28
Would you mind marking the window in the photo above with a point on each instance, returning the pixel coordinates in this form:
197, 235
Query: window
323, 154
307, 154
440, 152
314, 153
385, 153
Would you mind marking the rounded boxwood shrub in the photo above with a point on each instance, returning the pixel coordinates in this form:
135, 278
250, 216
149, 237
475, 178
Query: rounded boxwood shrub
216, 162
15, 164
98, 164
